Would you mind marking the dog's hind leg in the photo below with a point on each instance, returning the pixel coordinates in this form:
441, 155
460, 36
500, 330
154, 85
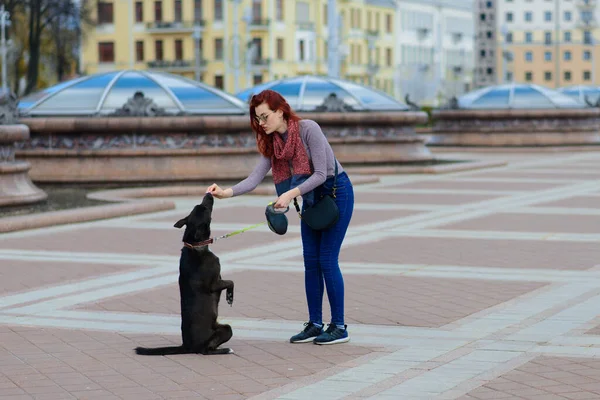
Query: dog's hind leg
222, 334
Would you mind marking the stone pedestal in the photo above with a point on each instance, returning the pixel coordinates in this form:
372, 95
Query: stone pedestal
192, 148
515, 127
15, 185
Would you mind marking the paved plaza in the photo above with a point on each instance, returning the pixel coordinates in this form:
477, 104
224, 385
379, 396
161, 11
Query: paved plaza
481, 284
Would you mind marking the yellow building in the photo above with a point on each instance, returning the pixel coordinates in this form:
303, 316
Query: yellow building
550, 43
235, 44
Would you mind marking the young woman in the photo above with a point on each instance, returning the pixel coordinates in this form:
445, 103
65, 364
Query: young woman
303, 164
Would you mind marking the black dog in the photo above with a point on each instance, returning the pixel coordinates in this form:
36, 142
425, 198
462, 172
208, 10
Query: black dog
200, 287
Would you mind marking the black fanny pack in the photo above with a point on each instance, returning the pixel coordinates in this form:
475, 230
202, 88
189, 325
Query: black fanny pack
324, 213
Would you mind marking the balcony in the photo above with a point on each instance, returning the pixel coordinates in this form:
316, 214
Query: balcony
372, 68
256, 24
260, 63
173, 26
305, 26
587, 23
586, 4
175, 65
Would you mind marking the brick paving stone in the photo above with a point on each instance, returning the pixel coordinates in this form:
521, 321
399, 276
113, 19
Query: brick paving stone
476, 185
560, 380
371, 299
424, 314
31, 276
478, 252
530, 223
416, 198
573, 202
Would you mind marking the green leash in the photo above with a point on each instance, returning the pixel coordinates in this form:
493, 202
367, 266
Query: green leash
212, 240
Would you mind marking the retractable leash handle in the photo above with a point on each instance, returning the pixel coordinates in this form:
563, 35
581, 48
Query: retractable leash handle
276, 219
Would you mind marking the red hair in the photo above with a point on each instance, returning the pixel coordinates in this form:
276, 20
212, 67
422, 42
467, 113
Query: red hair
276, 102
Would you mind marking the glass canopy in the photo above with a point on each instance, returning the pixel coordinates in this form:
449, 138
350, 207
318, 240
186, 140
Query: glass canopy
513, 95
308, 92
103, 93
580, 92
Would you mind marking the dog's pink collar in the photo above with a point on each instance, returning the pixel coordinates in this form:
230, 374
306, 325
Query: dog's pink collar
198, 244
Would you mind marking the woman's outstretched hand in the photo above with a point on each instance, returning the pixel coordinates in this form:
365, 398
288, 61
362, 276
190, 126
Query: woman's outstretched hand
219, 193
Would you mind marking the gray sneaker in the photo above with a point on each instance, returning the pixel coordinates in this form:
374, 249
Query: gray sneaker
333, 335
308, 334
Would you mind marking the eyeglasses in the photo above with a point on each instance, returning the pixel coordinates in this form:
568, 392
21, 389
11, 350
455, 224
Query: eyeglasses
262, 118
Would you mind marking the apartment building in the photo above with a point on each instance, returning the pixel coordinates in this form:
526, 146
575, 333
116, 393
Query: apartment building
435, 49
545, 42
235, 44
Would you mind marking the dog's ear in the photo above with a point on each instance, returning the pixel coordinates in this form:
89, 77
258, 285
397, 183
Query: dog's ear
181, 222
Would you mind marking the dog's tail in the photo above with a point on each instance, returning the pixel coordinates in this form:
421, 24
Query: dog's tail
161, 351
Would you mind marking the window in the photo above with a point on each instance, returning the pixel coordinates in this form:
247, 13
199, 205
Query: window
158, 11
257, 79
587, 37
567, 75
389, 27
528, 56
509, 37
106, 52
567, 37
489, 4
301, 50
528, 37
177, 7
509, 17
219, 83
547, 76
587, 76
528, 76
198, 14
257, 43
280, 49
509, 76
325, 14
179, 49
528, 16
567, 16
105, 13
548, 16
567, 55
218, 49
490, 71
587, 55
388, 57
139, 11
257, 11
547, 56
279, 10
587, 17
489, 34
219, 16
139, 51
158, 50
547, 37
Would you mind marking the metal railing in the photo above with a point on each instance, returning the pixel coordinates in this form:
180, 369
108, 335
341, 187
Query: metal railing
174, 25
174, 64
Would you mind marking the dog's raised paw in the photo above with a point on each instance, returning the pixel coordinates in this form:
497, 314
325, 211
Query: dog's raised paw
231, 351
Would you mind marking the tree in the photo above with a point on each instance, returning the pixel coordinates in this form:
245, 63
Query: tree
69, 25
63, 19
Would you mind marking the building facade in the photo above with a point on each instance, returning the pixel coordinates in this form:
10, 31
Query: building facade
545, 42
435, 49
235, 44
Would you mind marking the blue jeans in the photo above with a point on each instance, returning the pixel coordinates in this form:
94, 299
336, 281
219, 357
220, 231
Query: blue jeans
321, 253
